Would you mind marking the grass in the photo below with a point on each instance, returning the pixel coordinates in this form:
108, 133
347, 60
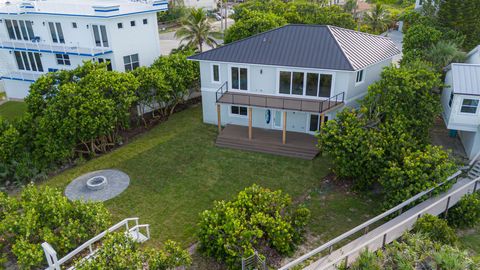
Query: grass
11, 110
470, 240
177, 172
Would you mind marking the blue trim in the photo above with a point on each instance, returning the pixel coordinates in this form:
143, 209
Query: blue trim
89, 16
56, 52
106, 10
16, 79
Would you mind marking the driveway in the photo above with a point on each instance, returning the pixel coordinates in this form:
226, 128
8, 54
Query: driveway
168, 42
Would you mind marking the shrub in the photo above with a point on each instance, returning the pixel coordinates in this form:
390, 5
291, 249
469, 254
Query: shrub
256, 219
119, 251
44, 214
437, 229
466, 213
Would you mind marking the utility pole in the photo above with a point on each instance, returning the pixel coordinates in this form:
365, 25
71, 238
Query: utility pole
226, 14
221, 19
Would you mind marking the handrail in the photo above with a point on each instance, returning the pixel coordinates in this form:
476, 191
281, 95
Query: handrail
365, 225
474, 159
423, 211
221, 91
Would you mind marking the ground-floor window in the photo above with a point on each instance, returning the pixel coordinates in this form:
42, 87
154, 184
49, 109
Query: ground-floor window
28, 61
106, 60
239, 110
63, 59
315, 122
131, 62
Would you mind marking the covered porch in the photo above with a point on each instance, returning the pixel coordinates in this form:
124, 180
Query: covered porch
278, 142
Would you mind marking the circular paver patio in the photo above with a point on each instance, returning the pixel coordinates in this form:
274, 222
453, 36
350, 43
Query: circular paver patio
118, 181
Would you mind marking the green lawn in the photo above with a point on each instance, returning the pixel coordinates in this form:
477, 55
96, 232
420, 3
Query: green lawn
12, 109
470, 240
177, 172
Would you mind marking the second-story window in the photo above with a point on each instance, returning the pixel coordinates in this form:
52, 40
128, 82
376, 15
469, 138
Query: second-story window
63, 59
215, 73
360, 76
131, 62
450, 101
74, 25
305, 84
28, 61
469, 106
100, 35
132, 23
120, 25
19, 29
239, 78
56, 32
145, 21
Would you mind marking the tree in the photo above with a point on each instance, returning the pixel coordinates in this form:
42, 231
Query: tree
256, 22
418, 40
196, 30
351, 6
377, 19
152, 91
443, 53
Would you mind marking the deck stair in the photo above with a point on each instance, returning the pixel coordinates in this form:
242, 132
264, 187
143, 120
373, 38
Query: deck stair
474, 171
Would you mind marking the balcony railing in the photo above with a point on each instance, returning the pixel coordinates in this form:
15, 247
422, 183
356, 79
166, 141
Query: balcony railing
43, 47
223, 95
21, 76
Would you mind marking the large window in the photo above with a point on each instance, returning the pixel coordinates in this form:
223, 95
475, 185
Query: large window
106, 60
239, 78
131, 62
315, 122
19, 29
56, 32
239, 110
63, 59
469, 106
28, 61
100, 35
305, 84
215, 73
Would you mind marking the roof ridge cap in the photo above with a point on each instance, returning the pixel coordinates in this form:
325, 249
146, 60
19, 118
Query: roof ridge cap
341, 48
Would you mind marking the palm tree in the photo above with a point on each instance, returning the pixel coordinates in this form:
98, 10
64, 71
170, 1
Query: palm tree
377, 18
351, 7
196, 30
443, 53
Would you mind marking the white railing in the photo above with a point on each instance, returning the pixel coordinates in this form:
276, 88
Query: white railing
55, 264
474, 159
41, 46
365, 226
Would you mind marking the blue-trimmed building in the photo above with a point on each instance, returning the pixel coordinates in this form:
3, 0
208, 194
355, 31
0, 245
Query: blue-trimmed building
41, 36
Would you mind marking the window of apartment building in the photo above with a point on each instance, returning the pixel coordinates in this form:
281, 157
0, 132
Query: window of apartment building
315, 122
215, 73
450, 101
131, 62
100, 35
28, 61
56, 32
239, 78
120, 25
305, 84
132, 23
469, 106
74, 25
238, 110
145, 21
106, 60
63, 59
19, 29
360, 76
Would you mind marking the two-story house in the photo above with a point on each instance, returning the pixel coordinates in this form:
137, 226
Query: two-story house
460, 102
41, 36
272, 91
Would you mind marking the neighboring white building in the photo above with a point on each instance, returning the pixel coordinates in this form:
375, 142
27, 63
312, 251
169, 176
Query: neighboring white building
460, 101
291, 78
204, 4
46, 35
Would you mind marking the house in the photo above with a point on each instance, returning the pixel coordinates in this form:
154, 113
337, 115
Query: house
41, 36
460, 100
419, 4
274, 90
203, 4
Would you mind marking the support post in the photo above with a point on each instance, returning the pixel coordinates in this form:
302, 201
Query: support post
322, 120
219, 119
284, 133
250, 123
446, 208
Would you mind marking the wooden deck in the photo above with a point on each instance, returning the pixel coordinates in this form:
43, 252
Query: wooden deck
299, 145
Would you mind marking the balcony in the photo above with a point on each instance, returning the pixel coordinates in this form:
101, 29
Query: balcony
43, 47
21, 76
223, 95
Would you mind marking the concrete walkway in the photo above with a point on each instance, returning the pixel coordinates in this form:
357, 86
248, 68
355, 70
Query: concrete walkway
396, 227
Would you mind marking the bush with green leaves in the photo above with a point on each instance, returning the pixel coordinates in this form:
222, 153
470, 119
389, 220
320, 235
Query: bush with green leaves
44, 214
466, 213
119, 251
436, 229
256, 219
254, 23
415, 251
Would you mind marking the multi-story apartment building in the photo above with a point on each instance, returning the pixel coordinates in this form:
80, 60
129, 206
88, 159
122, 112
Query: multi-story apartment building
46, 35
287, 80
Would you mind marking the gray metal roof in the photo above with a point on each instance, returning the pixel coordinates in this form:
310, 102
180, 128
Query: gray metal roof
466, 79
308, 46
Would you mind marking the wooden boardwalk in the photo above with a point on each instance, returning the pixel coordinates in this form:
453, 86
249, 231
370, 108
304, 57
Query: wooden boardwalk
299, 145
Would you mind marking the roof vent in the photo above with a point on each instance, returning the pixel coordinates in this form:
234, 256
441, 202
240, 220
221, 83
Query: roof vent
109, 8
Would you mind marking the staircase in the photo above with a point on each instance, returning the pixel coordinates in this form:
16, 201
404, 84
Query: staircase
474, 171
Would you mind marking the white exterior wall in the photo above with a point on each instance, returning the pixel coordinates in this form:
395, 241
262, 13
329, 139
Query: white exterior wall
204, 4
264, 79
141, 39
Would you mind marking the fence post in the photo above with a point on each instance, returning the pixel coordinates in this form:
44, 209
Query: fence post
475, 187
446, 208
384, 240
51, 255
